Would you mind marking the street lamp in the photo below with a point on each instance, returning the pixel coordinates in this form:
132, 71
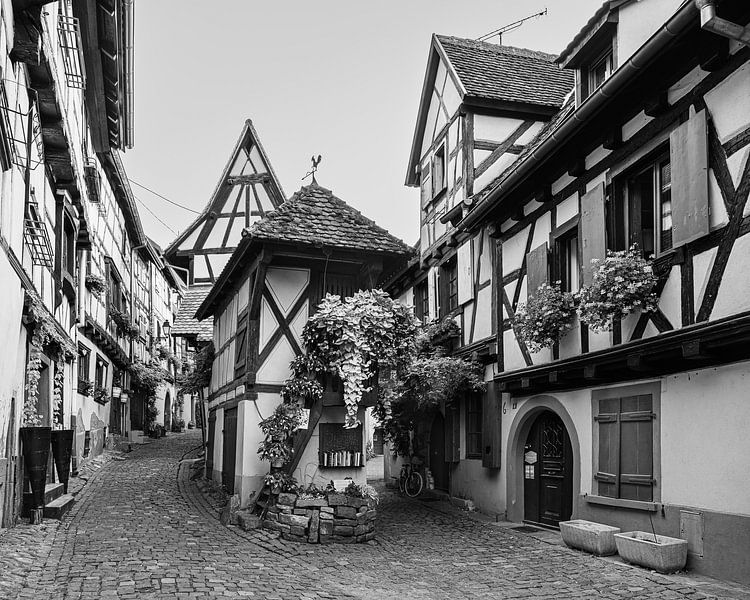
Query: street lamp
166, 328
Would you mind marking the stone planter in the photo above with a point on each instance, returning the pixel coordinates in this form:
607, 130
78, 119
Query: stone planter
588, 536
666, 555
334, 518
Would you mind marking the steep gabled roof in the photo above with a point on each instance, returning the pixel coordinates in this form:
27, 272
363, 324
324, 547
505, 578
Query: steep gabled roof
506, 73
185, 323
315, 217
490, 76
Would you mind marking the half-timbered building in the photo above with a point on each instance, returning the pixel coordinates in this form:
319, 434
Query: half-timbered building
644, 424
312, 245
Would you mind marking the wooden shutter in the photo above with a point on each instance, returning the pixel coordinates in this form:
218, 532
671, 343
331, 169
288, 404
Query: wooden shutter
537, 268
636, 448
452, 434
592, 224
688, 151
609, 447
240, 347
465, 273
492, 420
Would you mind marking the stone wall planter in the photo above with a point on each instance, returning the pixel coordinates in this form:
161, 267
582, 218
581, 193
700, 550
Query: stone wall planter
334, 518
589, 536
666, 555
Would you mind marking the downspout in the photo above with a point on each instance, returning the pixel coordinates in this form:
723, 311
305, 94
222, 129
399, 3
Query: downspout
714, 24
129, 75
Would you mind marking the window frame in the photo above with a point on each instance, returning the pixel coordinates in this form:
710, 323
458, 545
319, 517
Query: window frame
422, 300
84, 353
623, 234
472, 402
558, 239
654, 389
104, 364
441, 150
448, 286
606, 58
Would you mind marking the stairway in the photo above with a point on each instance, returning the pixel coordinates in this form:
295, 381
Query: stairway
56, 504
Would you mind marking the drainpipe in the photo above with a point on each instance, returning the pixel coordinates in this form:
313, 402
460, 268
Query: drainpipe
132, 292
711, 22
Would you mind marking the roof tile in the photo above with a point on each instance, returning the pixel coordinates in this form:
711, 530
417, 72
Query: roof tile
185, 323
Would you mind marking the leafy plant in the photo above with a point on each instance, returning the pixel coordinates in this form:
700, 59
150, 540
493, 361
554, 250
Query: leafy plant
547, 314
96, 284
278, 430
148, 377
101, 395
361, 491
354, 337
622, 283
286, 483
198, 376
85, 387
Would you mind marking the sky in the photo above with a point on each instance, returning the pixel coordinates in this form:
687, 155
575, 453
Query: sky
339, 78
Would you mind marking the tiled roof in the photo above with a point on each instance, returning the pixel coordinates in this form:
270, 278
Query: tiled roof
314, 216
185, 323
506, 73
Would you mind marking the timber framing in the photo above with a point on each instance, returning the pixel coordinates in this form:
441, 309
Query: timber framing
697, 346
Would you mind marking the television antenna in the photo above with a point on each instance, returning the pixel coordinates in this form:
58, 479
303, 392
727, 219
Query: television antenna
510, 27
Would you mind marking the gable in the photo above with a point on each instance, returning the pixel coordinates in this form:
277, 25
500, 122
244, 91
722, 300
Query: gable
444, 102
247, 190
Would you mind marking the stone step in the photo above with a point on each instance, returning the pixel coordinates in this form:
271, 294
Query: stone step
52, 491
58, 507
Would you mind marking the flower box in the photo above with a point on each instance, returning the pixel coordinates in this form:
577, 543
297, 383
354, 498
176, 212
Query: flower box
589, 536
665, 555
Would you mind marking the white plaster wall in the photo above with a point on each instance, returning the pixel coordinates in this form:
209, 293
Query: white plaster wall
218, 450
514, 249
638, 21
734, 291
704, 448
728, 103
567, 209
494, 128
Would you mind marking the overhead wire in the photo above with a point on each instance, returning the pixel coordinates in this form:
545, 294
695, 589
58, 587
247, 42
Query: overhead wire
153, 214
177, 204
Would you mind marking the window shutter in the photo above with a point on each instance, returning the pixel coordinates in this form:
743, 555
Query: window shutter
465, 273
492, 418
688, 150
593, 240
536, 268
636, 448
452, 434
240, 347
609, 447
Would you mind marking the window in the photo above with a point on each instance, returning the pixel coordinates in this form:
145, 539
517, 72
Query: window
566, 266
83, 363
422, 301
100, 373
115, 292
68, 248
474, 426
643, 214
624, 433
448, 287
598, 72
438, 171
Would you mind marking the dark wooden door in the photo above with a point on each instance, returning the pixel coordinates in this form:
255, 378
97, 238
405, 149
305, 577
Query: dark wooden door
168, 412
438, 466
210, 443
230, 449
548, 472
137, 399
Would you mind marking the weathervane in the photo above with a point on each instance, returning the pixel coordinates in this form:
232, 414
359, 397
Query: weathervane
315, 163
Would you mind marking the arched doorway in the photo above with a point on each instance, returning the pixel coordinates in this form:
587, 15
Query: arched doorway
167, 412
438, 466
547, 471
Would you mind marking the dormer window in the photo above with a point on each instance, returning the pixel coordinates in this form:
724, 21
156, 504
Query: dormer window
598, 72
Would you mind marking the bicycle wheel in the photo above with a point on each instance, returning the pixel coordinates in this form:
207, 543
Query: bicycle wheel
413, 485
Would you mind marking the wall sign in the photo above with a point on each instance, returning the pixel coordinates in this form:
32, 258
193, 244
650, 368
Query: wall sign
530, 457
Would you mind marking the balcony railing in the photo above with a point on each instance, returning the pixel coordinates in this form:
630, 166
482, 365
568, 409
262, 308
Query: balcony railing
69, 34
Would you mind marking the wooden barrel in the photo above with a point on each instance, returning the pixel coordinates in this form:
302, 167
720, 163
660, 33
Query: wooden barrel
36, 444
62, 449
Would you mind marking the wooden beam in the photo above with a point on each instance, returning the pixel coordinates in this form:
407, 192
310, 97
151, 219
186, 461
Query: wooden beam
657, 105
248, 179
503, 147
545, 194
578, 167
612, 139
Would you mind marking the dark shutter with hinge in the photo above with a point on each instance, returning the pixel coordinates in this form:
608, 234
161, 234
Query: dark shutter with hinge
452, 434
537, 268
492, 419
688, 151
240, 347
625, 461
593, 239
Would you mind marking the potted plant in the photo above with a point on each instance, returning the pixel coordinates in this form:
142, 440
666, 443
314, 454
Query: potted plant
96, 284
281, 482
547, 314
101, 395
85, 387
621, 284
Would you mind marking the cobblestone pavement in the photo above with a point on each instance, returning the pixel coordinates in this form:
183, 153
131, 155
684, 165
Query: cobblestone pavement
141, 529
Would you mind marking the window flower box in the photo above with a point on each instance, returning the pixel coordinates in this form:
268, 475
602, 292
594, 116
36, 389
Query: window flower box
658, 552
589, 536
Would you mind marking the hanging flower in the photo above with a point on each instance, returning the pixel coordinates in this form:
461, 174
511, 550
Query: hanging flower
547, 314
622, 283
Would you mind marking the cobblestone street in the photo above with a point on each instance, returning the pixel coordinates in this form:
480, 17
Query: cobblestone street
141, 529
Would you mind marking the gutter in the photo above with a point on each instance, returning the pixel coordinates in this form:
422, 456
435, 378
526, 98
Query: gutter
714, 24
129, 19
672, 29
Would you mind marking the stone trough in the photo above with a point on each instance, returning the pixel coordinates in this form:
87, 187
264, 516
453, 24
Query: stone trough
334, 518
589, 536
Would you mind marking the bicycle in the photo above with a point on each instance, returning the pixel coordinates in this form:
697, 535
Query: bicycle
410, 480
